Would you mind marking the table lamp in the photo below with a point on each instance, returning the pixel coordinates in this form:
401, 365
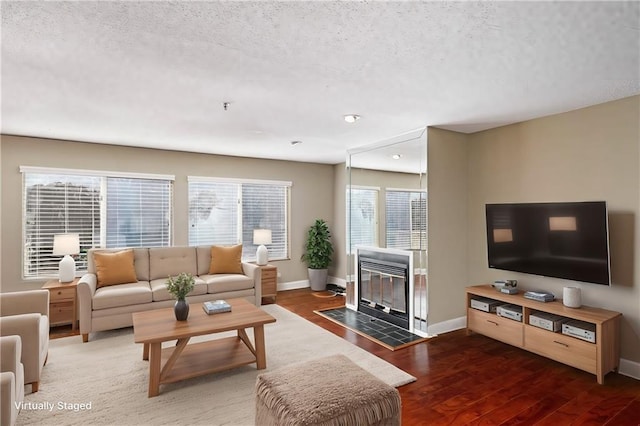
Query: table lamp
65, 245
262, 237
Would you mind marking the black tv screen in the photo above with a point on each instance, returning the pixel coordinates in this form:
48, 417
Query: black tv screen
561, 240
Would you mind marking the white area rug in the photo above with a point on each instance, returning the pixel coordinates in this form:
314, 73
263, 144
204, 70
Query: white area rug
109, 377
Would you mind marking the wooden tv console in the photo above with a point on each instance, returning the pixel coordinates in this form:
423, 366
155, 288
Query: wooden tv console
597, 358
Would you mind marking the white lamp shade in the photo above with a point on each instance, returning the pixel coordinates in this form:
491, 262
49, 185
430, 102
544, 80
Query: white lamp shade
66, 244
261, 236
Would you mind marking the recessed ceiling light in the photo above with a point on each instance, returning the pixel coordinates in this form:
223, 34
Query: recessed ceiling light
351, 118
294, 143
396, 156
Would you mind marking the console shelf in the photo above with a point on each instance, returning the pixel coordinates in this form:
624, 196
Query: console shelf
597, 358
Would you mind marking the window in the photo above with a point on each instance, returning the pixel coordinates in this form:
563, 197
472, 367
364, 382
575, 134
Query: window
105, 209
406, 225
362, 217
226, 211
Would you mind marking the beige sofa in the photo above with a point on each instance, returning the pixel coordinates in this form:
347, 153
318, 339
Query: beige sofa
110, 307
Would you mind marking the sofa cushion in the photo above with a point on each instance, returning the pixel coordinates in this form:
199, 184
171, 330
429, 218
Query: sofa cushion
226, 260
122, 295
160, 292
140, 259
203, 257
115, 268
168, 262
220, 283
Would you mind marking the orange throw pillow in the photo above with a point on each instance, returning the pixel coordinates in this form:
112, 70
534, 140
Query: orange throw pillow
226, 260
115, 268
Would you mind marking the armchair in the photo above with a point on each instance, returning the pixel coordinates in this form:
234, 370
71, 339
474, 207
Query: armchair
26, 314
11, 379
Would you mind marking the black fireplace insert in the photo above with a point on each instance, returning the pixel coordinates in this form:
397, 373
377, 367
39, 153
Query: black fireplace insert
383, 286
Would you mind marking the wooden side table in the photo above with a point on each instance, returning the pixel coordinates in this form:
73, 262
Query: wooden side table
269, 281
63, 303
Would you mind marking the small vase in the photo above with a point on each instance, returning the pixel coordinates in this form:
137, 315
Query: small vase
181, 309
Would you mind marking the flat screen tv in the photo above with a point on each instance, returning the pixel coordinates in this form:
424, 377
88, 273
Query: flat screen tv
562, 240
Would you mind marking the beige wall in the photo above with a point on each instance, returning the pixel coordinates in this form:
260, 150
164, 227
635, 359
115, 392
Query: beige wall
311, 193
587, 154
447, 191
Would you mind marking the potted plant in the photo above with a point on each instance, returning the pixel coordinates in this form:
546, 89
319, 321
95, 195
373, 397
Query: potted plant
317, 255
179, 287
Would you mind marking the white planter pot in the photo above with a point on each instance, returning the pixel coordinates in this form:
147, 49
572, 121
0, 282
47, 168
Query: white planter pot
318, 279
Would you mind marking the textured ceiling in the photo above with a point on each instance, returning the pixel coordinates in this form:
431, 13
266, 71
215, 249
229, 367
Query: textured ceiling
155, 74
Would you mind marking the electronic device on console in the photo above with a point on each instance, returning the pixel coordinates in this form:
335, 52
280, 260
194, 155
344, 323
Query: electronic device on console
580, 329
485, 304
513, 312
547, 321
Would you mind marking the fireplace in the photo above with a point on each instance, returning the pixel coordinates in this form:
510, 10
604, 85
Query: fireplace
385, 285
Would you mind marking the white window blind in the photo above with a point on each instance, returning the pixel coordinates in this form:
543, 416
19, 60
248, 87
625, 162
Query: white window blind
138, 212
419, 239
362, 217
406, 219
104, 211
226, 212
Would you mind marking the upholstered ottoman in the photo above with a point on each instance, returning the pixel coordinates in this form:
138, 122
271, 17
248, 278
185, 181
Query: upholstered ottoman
327, 391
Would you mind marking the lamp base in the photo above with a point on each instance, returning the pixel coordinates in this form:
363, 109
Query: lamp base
262, 255
67, 269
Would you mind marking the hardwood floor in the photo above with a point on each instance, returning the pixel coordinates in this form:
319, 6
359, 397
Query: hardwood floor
479, 381
475, 380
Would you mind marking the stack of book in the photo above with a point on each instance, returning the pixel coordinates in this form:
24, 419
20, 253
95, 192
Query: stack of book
216, 307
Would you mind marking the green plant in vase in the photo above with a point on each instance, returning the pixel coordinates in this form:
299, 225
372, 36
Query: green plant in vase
179, 287
318, 254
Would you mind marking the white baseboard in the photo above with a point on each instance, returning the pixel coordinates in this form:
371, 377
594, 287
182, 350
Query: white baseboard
447, 326
293, 285
629, 368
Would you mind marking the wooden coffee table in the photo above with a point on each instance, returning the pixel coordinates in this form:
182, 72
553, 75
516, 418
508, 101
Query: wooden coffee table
184, 361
